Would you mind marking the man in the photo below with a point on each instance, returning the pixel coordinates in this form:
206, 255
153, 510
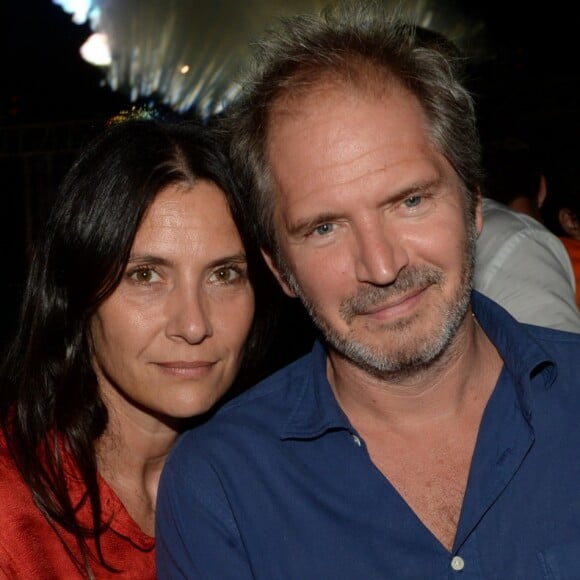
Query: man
520, 263
428, 433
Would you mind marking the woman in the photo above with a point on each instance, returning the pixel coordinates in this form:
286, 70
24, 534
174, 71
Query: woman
135, 315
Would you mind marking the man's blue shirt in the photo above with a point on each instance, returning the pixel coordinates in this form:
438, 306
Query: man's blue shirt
278, 484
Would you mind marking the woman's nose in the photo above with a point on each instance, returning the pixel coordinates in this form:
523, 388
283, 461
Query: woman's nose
188, 315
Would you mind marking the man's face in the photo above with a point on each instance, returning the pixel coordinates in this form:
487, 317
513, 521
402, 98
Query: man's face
372, 226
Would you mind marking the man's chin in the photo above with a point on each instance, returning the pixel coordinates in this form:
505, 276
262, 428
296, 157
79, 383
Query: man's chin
404, 351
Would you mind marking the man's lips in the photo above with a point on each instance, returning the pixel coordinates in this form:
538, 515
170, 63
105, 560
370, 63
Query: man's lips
397, 303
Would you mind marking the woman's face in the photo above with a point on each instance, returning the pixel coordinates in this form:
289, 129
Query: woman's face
168, 340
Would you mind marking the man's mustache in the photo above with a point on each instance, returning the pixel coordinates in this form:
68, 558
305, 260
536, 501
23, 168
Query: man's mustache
370, 296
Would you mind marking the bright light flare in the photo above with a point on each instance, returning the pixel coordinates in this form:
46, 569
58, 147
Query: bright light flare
96, 50
80, 9
186, 53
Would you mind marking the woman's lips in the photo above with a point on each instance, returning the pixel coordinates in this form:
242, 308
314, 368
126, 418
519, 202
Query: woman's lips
186, 369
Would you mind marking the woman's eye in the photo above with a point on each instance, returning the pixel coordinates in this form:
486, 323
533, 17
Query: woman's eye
324, 229
413, 200
144, 276
226, 275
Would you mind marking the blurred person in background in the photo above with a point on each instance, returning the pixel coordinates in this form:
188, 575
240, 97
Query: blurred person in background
563, 210
520, 263
515, 174
569, 218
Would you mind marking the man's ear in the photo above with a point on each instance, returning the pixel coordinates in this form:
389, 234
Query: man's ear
478, 213
278, 275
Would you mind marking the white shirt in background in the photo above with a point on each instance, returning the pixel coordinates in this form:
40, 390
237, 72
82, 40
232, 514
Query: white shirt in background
525, 268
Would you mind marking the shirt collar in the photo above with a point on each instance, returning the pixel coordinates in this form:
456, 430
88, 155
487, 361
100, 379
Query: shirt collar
524, 357
316, 410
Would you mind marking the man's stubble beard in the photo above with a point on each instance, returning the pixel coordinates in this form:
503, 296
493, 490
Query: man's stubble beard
419, 351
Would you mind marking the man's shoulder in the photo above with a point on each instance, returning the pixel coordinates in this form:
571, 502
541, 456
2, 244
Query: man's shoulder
561, 350
558, 371
517, 339
564, 344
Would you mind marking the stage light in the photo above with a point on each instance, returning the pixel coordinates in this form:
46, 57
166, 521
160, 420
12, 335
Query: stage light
185, 54
96, 50
80, 9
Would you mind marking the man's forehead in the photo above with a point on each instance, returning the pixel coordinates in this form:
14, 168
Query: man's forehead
325, 108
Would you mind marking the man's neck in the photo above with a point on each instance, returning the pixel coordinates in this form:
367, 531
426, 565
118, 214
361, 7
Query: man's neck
420, 429
468, 369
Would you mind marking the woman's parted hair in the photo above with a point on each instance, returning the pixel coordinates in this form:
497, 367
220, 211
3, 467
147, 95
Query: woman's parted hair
359, 44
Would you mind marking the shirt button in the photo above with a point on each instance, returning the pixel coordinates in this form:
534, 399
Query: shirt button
457, 563
356, 440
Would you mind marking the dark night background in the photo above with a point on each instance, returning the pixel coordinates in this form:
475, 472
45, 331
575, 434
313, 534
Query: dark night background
50, 99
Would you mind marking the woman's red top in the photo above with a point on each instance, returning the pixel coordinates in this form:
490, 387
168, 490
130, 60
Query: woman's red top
30, 548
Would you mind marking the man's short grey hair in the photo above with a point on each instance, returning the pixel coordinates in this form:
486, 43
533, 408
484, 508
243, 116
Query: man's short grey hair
363, 45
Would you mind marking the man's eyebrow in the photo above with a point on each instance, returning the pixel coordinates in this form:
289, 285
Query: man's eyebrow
419, 187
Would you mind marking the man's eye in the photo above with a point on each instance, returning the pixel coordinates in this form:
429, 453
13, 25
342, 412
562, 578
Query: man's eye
413, 200
324, 229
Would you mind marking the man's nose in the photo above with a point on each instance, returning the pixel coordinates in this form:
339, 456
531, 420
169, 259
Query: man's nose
380, 253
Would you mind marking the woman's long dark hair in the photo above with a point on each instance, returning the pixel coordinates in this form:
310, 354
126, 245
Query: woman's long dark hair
49, 397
